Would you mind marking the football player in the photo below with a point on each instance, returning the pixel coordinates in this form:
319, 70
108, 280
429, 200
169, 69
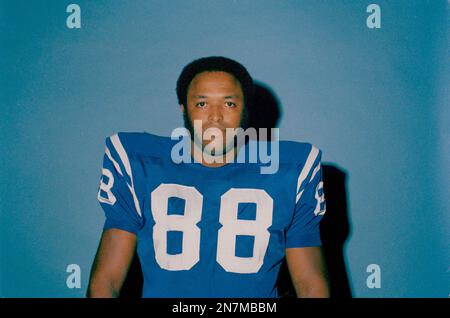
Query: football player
209, 228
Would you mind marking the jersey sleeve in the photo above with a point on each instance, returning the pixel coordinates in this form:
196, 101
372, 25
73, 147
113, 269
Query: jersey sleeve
310, 205
116, 193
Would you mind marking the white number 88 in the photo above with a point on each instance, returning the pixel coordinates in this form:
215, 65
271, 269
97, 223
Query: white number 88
231, 227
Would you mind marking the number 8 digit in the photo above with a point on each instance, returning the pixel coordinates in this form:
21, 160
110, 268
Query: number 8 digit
186, 223
232, 226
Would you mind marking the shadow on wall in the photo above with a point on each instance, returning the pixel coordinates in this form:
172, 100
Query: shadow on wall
334, 226
335, 229
266, 111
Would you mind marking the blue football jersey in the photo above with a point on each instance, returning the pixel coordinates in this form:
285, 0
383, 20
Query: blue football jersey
210, 232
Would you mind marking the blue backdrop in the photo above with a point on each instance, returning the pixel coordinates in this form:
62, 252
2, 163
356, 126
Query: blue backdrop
376, 101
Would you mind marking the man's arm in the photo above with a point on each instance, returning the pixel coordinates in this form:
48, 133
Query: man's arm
308, 272
111, 264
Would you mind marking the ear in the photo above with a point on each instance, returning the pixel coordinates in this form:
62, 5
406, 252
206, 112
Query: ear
182, 108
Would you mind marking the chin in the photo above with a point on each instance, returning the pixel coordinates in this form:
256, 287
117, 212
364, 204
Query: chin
215, 151
221, 150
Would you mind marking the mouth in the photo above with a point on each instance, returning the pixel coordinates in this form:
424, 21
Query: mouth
215, 128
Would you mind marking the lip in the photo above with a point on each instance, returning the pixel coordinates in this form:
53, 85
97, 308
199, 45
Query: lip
220, 128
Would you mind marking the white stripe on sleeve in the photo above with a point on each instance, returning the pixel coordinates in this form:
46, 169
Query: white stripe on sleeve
315, 171
116, 165
115, 140
306, 169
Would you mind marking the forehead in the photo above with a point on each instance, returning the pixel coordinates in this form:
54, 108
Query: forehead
215, 81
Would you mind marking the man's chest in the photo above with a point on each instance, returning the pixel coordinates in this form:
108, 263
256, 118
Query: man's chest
237, 217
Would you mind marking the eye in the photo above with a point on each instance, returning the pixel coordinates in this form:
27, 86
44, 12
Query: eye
201, 104
230, 104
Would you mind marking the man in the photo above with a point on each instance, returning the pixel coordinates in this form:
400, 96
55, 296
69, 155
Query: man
212, 227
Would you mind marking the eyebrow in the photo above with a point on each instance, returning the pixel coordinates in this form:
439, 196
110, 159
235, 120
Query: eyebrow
226, 97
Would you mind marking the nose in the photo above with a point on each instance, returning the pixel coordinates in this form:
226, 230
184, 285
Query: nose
215, 114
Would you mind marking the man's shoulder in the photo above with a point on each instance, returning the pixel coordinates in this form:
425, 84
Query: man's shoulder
142, 143
297, 152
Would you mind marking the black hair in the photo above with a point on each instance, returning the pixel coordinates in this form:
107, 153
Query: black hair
217, 64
